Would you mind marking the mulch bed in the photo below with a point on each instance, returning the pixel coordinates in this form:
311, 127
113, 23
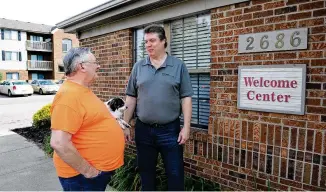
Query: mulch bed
31, 134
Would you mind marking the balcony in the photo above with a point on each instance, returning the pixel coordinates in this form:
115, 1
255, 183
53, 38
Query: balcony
33, 65
39, 46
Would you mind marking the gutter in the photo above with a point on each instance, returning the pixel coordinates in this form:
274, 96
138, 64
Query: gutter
91, 12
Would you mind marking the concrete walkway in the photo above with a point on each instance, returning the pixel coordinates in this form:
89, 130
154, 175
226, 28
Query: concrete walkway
25, 167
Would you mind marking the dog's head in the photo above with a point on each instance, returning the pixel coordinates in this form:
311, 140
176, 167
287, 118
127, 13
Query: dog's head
116, 105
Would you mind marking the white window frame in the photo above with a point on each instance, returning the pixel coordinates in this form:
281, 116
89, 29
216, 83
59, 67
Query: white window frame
67, 43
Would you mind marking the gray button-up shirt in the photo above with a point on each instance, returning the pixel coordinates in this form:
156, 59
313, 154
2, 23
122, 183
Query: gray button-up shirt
159, 91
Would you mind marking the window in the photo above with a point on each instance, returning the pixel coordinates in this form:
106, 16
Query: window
37, 57
11, 56
61, 69
191, 42
10, 35
66, 45
36, 38
14, 76
140, 50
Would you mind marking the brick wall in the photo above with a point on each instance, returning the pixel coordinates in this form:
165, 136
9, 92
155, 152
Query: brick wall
58, 36
23, 75
287, 149
242, 146
114, 53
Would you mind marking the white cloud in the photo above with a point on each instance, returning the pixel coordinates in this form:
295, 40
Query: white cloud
49, 12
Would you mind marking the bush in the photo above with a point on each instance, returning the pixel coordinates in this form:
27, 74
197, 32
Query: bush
127, 178
1, 76
42, 118
46, 145
42, 127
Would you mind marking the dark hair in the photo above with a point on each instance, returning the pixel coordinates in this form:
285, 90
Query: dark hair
159, 30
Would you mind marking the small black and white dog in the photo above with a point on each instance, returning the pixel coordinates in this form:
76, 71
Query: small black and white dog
116, 107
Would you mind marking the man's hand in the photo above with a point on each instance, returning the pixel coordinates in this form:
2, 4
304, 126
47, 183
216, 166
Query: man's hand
183, 135
127, 134
92, 172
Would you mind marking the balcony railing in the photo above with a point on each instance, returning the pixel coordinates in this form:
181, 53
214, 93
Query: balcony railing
39, 65
39, 46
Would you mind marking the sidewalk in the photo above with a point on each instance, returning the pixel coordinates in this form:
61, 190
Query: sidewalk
25, 167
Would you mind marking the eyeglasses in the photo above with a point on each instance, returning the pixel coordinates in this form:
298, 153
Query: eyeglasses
93, 62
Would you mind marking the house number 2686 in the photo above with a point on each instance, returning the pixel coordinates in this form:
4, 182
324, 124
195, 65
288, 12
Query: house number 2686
294, 41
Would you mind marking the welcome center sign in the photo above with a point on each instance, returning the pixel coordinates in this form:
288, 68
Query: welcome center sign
272, 88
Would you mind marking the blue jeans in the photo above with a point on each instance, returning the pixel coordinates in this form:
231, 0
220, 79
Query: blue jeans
81, 183
153, 139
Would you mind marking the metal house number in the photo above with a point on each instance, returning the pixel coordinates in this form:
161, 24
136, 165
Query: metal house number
273, 41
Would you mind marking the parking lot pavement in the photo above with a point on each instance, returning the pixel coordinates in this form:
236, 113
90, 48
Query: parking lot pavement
18, 111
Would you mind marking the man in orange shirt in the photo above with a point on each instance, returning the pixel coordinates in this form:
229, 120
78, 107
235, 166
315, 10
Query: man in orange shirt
88, 142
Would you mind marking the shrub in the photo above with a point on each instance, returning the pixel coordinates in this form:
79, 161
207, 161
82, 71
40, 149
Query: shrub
1, 76
127, 178
46, 145
42, 128
42, 118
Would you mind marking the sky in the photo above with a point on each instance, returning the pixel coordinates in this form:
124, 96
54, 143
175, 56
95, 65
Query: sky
49, 12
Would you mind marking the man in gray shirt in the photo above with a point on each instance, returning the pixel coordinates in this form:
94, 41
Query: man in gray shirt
159, 89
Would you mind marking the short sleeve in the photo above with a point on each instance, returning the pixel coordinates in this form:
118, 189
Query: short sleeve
65, 118
185, 87
132, 83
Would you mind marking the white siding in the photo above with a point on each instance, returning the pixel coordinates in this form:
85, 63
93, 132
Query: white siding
17, 46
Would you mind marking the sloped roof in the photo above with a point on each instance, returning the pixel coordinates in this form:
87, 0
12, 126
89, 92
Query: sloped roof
25, 26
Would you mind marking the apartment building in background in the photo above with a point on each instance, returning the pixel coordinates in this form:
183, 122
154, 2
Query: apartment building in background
32, 51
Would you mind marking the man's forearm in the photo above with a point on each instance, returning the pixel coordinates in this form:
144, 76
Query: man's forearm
187, 111
69, 154
131, 104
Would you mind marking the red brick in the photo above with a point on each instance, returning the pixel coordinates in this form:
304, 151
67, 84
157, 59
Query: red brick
226, 20
316, 93
253, 9
285, 10
319, 13
276, 19
318, 78
316, 38
263, 14
293, 123
274, 5
291, 2
243, 58
301, 15
263, 28
317, 110
313, 5
226, 33
287, 55
263, 57
254, 22
234, 12
242, 31
243, 17
238, 25
311, 22
256, 2
318, 62
216, 16
311, 54
319, 29
286, 25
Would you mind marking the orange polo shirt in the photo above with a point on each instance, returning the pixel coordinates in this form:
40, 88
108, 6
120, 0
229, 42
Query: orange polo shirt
95, 133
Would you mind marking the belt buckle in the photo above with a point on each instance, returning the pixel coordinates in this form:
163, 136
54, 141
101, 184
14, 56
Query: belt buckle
156, 125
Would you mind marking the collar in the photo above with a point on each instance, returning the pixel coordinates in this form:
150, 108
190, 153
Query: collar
167, 62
